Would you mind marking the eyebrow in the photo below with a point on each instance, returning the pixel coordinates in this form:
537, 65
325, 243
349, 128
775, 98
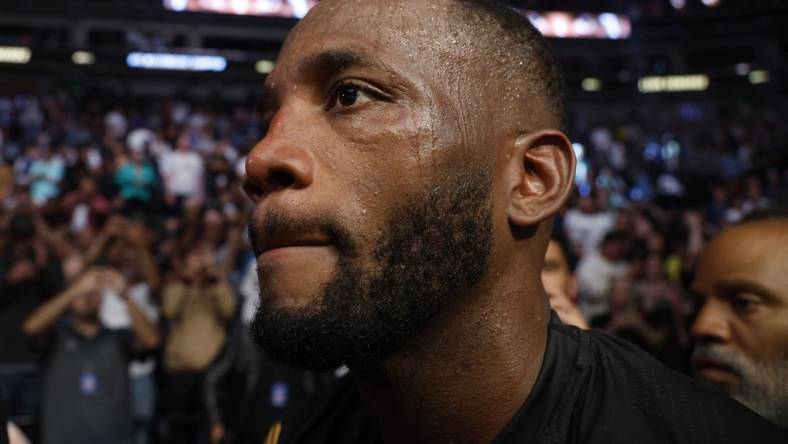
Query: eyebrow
733, 285
333, 61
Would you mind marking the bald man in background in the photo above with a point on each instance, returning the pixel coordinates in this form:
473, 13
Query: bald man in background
404, 196
741, 331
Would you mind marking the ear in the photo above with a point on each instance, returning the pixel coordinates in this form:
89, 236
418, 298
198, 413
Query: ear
541, 173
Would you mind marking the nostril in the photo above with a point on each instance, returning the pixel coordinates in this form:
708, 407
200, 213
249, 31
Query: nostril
281, 179
251, 190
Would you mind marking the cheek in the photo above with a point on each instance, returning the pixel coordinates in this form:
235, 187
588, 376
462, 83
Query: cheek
768, 341
378, 159
378, 128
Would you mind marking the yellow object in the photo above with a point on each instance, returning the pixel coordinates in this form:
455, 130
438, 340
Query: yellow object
273, 434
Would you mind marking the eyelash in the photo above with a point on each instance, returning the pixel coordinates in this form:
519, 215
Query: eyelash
334, 96
743, 304
374, 93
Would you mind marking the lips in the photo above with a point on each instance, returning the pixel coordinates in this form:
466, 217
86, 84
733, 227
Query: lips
713, 370
273, 245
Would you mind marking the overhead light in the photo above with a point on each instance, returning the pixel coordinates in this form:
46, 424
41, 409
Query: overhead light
178, 62
758, 76
710, 3
15, 54
691, 82
591, 84
678, 4
743, 69
83, 58
264, 66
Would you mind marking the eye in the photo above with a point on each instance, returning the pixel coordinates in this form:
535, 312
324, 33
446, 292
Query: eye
743, 303
348, 95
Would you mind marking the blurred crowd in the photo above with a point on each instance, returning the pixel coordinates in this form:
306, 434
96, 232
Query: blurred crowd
127, 283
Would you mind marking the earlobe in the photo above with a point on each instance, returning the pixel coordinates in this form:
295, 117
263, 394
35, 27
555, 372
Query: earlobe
541, 173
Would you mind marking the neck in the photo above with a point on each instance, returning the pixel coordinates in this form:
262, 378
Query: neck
87, 327
467, 374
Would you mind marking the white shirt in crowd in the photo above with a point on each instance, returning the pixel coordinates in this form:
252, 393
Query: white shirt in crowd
595, 274
183, 173
587, 230
114, 314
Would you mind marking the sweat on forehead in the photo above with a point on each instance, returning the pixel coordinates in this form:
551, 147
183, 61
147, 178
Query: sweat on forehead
483, 42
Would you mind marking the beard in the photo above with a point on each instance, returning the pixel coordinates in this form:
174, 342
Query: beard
763, 385
432, 250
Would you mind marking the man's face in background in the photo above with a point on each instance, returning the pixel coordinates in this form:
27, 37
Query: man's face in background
741, 330
556, 274
561, 286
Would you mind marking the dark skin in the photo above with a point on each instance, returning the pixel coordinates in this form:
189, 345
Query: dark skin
741, 284
366, 104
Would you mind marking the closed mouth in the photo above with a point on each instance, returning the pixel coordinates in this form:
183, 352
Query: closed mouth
305, 240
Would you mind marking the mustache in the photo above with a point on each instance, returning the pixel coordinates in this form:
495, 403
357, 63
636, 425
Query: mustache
277, 224
719, 356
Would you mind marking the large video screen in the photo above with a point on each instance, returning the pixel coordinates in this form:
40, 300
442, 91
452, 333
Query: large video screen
555, 24
273, 8
558, 24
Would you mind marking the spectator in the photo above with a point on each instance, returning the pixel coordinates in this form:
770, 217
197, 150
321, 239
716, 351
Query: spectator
46, 171
130, 254
6, 181
561, 285
183, 171
741, 331
115, 123
85, 206
198, 306
136, 180
29, 275
586, 226
596, 271
86, 388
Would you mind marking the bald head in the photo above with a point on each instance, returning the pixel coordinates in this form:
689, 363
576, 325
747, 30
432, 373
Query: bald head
521, 53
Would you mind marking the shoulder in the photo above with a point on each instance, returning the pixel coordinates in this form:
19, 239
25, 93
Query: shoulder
631, 392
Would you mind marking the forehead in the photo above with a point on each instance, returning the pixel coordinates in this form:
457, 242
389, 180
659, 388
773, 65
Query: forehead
382, 18
756, 252
398, 32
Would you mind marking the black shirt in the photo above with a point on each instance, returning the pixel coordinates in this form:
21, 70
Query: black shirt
592, 388
86, 388
18, 301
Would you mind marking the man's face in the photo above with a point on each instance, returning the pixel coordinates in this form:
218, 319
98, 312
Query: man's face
86, 306
373, 203
199, 260
741, 331
556, 275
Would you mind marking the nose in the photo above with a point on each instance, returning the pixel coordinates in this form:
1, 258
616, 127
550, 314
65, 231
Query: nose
711, 324
280, 161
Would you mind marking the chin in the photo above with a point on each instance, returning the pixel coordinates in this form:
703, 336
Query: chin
725, 386
289, 292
